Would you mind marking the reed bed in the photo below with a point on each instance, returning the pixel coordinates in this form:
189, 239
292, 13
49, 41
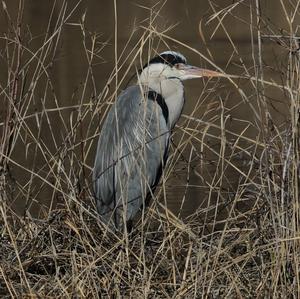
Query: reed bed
242, 242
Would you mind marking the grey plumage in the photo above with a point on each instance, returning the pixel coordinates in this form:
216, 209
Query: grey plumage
131, 150
133, 144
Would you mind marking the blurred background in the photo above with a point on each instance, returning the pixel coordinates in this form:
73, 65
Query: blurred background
58, 68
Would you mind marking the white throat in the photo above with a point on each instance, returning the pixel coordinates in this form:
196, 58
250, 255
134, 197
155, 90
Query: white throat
170, 89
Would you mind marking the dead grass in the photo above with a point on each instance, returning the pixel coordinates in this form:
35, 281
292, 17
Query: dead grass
242, 242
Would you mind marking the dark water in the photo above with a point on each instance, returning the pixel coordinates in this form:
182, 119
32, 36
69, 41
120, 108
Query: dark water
227, 45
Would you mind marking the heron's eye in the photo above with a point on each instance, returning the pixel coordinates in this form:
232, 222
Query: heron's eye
179, 66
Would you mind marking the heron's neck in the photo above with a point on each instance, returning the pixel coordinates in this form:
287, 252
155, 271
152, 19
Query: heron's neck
173, 93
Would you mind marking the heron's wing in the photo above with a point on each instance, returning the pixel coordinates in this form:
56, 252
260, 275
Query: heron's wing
131, 149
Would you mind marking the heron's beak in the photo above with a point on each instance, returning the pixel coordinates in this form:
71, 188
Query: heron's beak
190, 72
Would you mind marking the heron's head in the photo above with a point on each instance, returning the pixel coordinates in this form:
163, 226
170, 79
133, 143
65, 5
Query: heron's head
173, 65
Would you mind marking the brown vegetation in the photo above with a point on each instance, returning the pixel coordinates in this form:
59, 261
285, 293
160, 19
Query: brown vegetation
243, 243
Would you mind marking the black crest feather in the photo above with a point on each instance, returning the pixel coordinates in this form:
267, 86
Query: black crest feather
169, 57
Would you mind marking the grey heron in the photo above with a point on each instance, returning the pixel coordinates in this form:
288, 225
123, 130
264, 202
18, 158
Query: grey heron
134, 141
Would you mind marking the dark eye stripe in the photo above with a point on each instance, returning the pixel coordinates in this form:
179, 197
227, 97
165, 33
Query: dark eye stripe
169, 59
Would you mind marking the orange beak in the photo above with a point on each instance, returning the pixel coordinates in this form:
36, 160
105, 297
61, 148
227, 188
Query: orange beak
190, 72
